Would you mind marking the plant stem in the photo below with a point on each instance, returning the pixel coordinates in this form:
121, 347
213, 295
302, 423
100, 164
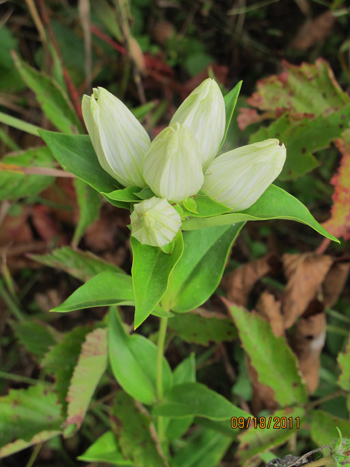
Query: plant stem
22, 379
34, 455
159, 382
319, 462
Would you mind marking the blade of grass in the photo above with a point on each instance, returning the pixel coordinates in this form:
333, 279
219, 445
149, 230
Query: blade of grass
19, 124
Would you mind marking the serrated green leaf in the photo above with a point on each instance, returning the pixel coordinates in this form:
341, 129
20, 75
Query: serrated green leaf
37, 337
275, 203
199, 271
196, 399
133, 361
230, 105
105, 449
344, 364
256, 440
26, 413
275, 363
202, 327
92, 363
150, 275
51, 97
89, 203
80, 264
15, 184
136, 435
323, 427
105, 289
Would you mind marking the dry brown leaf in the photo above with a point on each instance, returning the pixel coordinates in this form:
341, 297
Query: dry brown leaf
137, 55
313, 31
270, 309
263, 396
238, 283
308, 341
305, 274
335, 280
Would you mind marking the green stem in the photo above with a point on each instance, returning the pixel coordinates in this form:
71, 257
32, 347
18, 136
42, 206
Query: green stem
159, 382
34, 455
319, 462
22, 379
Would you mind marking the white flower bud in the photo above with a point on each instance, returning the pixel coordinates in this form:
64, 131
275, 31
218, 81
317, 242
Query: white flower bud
238, 178
172, 166
203, 112
119, 139
155, 222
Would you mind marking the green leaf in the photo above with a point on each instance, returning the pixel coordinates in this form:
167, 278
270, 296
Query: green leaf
76, 155
14, 183
197, 399
202, 327
92, 363
150, 274
223, 427
324, 427
128, 195
106, 14
256, 440
107, 288
51, 97
80, 264
136, 435
133, 361
62, 359
275, 203
185, 372
105, 449
205, 449
142, 111
199, 271
26, 413
89, 202
19, 445
145, 193
190, 205
275, 363
158, 311
37, 337
304, 138
344, 364
205, 207
230, 104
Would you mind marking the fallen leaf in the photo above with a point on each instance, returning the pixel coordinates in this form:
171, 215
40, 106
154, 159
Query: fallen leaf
263, 396
308, 341
238, 283
339, 223
335, 281
270, 309
305, 274
314, 31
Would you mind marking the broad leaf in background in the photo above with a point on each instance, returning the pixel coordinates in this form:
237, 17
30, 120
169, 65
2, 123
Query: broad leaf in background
256, 440
51, 97
137, 437
199, 271
205, 448
76, 155
105, 449
62, 359
196, 399
339, 223
151, 269
25, 414
15, 183
10, 79
37, 337
133, 360
91, 365
303, 139
275, 203
272, 358
89, 202
107, 288
230, 104
323, 427
127, 194
344, 377
185, 372
80, 264
201, 326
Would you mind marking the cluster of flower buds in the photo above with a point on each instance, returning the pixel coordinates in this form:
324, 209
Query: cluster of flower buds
180, 161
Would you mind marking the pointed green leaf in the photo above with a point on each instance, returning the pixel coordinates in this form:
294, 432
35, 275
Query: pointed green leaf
344, 364
275, 363
197, 399
230, 104
105, 449
36, 336
324, 427
200, 269
107, 288
133, 361
89, 202
275, 203
127, 195
150, 275
80, 264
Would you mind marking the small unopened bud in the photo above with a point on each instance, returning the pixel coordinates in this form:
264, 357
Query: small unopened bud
238, 178
155, 222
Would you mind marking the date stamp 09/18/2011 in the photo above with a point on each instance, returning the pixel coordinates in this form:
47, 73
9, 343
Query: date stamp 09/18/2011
265, 422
